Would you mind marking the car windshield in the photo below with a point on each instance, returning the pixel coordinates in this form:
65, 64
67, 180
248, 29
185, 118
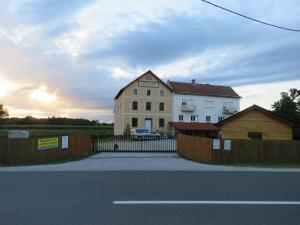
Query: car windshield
140, 131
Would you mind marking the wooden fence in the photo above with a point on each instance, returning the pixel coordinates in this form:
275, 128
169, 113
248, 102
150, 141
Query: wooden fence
242, 151
194, 148
25, 151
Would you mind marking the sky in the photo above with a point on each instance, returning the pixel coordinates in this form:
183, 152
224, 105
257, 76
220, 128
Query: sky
70, 58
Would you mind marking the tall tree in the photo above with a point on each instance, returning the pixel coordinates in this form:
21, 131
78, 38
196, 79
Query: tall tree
3, 112
289, 105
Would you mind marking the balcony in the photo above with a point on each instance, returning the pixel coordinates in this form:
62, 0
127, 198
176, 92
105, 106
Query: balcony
188, 108
229, 110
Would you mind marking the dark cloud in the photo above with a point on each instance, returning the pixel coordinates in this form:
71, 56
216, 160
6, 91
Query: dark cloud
182, 36
281, 63
88, 88
177, 37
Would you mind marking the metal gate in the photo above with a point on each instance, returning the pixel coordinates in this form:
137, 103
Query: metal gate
127, 144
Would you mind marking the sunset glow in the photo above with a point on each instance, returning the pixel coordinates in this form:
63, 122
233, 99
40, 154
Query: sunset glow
42, 95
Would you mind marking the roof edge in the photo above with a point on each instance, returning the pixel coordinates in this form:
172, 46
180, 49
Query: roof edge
258, 108
149, 71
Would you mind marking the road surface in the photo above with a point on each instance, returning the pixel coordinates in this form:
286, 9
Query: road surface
109, 198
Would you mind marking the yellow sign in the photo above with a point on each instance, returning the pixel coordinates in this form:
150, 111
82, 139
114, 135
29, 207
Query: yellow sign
46, 143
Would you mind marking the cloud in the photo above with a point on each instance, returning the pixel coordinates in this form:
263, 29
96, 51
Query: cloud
59, 29
177, 37
86, 51
257, 94
45, 11
192, 45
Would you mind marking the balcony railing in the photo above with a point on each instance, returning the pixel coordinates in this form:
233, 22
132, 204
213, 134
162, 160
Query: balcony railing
229, 110
188, 108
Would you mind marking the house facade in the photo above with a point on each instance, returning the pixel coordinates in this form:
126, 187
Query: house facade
258, 123
202, 104
146, 102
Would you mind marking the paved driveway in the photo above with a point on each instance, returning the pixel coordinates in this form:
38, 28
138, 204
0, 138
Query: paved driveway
135, 161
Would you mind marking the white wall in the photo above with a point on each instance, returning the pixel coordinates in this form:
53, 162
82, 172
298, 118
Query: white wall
201, 108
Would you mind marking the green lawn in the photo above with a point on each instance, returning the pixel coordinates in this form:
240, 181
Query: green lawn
50, 130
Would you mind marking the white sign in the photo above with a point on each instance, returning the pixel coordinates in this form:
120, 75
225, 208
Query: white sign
18, 134
148, 84
216, 143
227, 144
64, 142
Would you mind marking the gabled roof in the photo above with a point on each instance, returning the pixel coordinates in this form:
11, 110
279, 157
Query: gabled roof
148, 72
257, 108
194, 126
203, 89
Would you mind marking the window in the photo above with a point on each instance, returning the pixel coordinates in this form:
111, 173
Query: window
161, 106
134, 122
255, 135
193, 117
148, 92
162, 93
183, 103
161, 122
220, 118
208, 103
135, 91
207, 118
180, 117
228, 104
134, 105
148, 106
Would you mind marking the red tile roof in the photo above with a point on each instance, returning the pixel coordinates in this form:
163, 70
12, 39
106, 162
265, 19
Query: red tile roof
203, 89
194, 126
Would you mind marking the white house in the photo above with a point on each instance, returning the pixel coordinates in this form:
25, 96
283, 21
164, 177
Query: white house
195, 105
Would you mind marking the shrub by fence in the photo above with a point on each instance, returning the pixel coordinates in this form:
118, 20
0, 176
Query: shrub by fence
25, 151
242, 151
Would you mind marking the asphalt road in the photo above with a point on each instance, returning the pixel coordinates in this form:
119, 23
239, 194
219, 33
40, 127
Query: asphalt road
86, 198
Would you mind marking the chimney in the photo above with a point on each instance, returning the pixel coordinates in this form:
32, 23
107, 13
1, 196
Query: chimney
193, 82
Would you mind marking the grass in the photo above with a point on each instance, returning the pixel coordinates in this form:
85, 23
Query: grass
267, 165
56, 127
52, 130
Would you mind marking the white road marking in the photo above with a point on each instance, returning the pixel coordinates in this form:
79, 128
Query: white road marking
206, 202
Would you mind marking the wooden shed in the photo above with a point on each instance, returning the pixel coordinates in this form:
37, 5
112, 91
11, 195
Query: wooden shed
256, 122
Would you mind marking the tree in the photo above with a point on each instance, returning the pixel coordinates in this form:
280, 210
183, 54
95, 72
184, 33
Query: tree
3, 112
288, 106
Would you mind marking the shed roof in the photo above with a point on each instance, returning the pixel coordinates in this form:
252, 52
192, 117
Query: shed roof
256, 108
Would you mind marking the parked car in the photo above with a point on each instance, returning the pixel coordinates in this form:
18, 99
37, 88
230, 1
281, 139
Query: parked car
143, 133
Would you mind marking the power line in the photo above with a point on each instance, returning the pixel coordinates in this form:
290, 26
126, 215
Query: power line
249, 18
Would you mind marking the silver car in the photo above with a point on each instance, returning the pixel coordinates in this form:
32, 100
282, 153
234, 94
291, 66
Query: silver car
143, 133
